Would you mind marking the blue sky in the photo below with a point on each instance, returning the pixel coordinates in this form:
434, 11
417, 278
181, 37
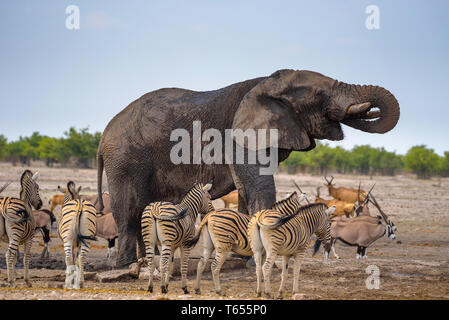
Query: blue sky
52, 78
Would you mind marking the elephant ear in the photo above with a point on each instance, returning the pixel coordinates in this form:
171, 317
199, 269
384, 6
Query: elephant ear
264, 108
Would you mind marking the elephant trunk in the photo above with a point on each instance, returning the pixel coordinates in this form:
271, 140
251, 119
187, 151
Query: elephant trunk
377, 110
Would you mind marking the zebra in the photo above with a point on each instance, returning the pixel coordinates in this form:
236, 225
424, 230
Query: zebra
76, 226
287, 236
18, 225
226, 231
172, 226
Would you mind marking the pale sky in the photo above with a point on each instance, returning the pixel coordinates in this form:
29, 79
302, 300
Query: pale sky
52, 78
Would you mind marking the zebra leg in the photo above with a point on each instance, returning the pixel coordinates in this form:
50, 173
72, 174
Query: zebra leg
149, 259
297, 268
26, 261
11, 255
171, 265
267, 268
70, 267
185, 254
83, 253
221, 254
207, 252
164, 261
333, 241
283, 275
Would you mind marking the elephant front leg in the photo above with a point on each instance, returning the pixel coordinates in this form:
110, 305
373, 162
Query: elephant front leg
259, 190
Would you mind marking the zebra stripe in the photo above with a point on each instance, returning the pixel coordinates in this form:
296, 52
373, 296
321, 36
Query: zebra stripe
287, 236
227, 230
17, 224
172, 226
76, 227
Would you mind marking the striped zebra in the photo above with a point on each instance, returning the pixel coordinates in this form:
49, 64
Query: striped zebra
76, 227
225, 230
171, 226
287, 236
17, 224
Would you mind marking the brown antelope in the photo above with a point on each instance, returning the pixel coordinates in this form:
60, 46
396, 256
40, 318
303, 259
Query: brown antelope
341, 207
231, 198
344, 194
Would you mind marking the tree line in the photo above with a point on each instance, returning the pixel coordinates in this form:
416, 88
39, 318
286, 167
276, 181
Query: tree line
366, 160
79, 148
76, 148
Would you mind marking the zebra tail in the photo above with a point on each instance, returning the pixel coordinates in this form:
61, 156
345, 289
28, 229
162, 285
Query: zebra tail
316, 247
175, 217
192, 242
82, 239
25, 217
280, 222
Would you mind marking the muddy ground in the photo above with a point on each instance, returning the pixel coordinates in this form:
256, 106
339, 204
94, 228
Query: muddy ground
413, 266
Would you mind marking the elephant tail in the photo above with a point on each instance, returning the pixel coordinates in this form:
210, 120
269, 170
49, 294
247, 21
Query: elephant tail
100, 177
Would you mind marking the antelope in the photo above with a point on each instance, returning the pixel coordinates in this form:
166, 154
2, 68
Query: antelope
344, 194
94, 200
44, 219
361, 231
107, 229
341, 207
231, 198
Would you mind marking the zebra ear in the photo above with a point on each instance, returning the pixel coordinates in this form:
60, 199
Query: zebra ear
36, 176
71, 189
207, 187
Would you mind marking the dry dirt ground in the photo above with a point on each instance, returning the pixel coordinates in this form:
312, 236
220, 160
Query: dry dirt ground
414, 266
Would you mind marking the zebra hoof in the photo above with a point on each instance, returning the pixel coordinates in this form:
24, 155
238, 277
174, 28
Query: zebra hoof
185, 290
280, 296
28, 283
164, 289
258, 294
269, 295
197, 291
12, 284
150, 289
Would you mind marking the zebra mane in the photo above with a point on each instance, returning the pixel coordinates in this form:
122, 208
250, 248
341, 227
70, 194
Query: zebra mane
24, 188
281, 203
193, 197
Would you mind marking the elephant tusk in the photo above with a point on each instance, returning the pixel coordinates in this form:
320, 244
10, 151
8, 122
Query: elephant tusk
358, 108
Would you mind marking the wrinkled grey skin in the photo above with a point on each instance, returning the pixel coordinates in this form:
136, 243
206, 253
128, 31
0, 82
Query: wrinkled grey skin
135, 147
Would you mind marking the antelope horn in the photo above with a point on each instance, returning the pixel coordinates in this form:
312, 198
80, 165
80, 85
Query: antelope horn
299, 189
374, 201
318, 191
332, 179
368, 194
358, 194
5, 186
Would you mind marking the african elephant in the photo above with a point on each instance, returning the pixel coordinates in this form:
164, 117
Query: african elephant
135, 147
